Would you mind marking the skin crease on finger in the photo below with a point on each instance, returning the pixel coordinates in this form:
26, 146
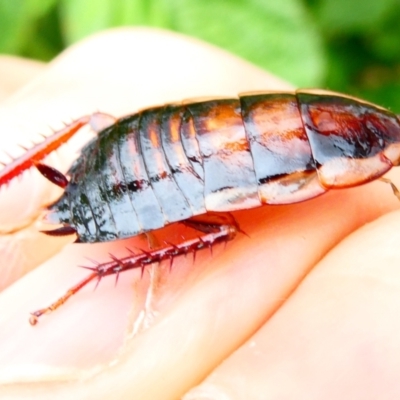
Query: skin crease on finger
203, 311
337, 335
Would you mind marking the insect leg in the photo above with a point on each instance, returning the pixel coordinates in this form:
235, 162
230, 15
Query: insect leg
396, 191
38, 152
212, 222
33, 320
215, 228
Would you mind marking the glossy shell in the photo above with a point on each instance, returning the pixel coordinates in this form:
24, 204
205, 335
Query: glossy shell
166, 164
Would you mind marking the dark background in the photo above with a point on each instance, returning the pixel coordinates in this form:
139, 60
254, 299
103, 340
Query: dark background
352, 46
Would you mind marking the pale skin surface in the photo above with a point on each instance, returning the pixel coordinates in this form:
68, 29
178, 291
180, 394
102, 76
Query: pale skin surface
271, 316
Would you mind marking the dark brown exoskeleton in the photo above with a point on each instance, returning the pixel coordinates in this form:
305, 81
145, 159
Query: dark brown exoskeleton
186, 162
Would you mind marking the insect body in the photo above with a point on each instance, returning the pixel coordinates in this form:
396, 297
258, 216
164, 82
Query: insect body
184, 161
170, 163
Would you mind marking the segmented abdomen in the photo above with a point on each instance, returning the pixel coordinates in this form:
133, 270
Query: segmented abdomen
169, 163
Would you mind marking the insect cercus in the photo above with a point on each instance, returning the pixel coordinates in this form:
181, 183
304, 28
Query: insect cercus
195, 162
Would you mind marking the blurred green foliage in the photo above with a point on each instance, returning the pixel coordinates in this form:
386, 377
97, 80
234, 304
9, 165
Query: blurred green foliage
351, 46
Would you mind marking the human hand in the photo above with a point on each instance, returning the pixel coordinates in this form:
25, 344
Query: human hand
267, 317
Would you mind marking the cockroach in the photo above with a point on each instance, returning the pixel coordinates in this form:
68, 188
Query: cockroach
194, 162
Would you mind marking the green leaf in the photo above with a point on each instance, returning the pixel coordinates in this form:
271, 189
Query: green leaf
82, 18
278, 36
384, 40
17, 21
352, 16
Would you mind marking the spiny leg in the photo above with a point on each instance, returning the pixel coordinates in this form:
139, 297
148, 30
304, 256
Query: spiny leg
40, 151
396, 191
33, 156
217, 230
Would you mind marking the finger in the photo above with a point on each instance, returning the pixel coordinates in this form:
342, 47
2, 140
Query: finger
102, 76
335, 337
21, 247
230, 299
73, 86
16, 72
180, 321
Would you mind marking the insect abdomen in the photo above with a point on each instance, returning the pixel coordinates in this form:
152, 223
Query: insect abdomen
169, 163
